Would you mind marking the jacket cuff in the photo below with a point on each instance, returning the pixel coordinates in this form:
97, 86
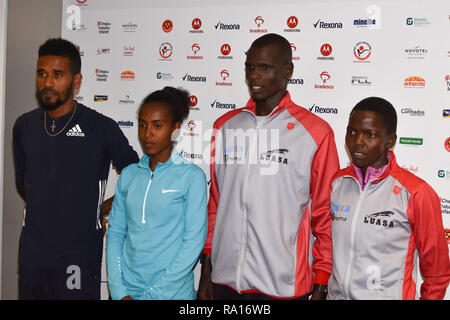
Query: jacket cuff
321, 277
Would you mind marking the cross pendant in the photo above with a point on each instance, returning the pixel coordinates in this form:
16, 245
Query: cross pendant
53, 126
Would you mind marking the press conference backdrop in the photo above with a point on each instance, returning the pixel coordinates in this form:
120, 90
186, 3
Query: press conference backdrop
343, 51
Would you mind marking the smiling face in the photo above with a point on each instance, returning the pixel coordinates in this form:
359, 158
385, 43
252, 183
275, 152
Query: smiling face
155, 131
367, 140
267, 74
55, 82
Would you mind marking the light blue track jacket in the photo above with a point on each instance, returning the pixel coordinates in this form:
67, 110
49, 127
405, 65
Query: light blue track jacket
157, 229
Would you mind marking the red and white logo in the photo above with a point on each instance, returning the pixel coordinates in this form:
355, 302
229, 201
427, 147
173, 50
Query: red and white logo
165, 50
196, 24
191, 125
81, 1
362, 51
224, 74
259, 21
325, 76
292, 22
167, 25
326, 49
193, 101
290, 126
127, 76
195, 48
447, 231
447, 144
414, 82
396, 190
225, 49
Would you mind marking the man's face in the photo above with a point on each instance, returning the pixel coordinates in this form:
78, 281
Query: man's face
367, 140
267, 73
55, 83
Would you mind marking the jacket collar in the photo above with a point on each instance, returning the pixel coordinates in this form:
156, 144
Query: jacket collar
175, 157
284, 104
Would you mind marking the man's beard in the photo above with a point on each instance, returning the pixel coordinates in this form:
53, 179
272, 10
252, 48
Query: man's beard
56, 104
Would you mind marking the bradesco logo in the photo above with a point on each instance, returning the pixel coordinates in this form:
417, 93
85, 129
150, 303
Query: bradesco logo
325, 77
414, 82
224, 75
167, 25
294, 49
362, 51
258, 22
195, 50
196, 26
326, 50
411, 141
225, 49
292, 23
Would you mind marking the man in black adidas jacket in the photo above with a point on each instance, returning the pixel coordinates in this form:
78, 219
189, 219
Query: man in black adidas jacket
62, 153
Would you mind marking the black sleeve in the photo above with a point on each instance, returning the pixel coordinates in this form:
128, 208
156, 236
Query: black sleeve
120, 151
19, 158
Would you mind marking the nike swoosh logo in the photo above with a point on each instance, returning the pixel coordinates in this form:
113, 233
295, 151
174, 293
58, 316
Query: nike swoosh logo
168, 190
315, 24
216, 25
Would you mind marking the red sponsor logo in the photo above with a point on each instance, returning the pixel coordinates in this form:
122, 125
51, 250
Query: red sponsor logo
167, 25
326, 49
127, 75
447, 144
290, 126
325, 76
224, 74
292, 22
193, 101
196, 24
81, 1
414, 82
225, 49
165, 50
396, 190
195, 48
259, 21
362, 51
447, 235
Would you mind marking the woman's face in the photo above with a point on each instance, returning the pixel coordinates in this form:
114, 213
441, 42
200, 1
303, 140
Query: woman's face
155, 130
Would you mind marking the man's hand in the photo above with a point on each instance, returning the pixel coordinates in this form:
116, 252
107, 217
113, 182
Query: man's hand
205, 286
106, 208
319, 292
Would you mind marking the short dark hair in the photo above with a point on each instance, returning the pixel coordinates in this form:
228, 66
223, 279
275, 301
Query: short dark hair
382, 107
62, 48
176, 99
276, 39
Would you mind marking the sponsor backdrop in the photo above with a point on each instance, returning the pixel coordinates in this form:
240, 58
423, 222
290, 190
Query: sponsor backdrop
342, 53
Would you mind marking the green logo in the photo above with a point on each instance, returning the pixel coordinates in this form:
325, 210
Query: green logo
413, 141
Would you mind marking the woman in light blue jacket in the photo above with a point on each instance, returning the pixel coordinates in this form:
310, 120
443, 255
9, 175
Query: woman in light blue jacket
158, 221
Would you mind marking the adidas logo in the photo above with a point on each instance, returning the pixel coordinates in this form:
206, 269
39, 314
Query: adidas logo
75, 132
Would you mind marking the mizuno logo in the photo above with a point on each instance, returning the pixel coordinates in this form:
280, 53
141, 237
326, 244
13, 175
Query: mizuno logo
168, 190
75, 132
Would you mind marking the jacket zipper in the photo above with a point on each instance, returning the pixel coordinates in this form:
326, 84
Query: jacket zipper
352, 239
145, 198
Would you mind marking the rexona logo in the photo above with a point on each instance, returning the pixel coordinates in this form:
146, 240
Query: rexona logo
325, 77
193, 102
292, 23
294, 49
317, 109
227, 26
195, 49
327, 25
191, 78
362, 51
258, 22
165, 51
326, 49
220, 105
411, 141
414, 82
127, 76
225, 49
167, 25
196, 26
295, 81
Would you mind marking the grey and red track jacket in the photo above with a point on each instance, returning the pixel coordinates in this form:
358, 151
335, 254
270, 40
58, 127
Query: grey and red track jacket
268, 193
379, 231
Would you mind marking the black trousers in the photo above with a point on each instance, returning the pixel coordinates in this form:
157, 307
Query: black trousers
225, 293
68, 283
